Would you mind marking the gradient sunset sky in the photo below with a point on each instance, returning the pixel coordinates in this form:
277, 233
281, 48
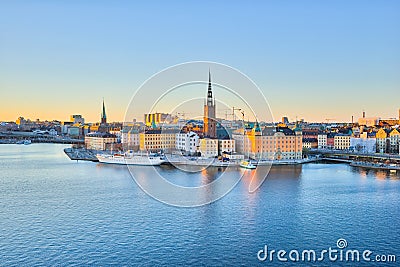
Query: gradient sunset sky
312, 59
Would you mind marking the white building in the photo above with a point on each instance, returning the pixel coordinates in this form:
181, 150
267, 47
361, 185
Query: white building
99, 141
363, 145
322, 141
187, 142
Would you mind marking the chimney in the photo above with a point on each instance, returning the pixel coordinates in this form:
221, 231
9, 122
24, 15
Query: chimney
363, 114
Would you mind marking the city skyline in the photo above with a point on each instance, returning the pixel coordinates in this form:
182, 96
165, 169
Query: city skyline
311, 60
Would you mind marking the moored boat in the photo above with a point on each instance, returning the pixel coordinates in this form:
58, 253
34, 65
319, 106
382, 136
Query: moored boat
247, 165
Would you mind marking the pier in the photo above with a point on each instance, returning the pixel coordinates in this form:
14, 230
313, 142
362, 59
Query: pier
80, 154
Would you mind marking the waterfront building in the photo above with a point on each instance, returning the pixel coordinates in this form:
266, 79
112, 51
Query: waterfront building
156, 140
187, 142
273, 143
208, 147
226, 145
288, 143
330, 140
381, 143
363, 145
342, 141
322, 141
100, 141
210, 126
387, 141
394, 138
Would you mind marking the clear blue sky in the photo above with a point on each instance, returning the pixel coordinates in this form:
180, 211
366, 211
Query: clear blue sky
312, 59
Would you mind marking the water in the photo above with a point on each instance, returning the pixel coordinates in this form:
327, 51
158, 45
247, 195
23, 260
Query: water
54, 211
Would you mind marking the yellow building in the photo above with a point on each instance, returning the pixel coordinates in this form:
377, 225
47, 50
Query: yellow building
208, 147
387, 141
156, 140
156, 118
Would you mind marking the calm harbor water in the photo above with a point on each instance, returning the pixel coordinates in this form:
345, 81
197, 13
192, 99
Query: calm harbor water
55, 211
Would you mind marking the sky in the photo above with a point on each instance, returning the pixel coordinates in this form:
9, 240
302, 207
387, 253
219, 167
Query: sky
315, 60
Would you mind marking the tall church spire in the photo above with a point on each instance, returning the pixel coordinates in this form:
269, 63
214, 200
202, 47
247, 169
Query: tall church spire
103, 114
210, 125
210, 101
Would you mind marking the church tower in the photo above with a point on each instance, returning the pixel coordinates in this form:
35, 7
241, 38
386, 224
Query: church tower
210, 125
103, 114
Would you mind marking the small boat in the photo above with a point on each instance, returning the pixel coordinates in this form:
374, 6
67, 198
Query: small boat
27, 142
247, 165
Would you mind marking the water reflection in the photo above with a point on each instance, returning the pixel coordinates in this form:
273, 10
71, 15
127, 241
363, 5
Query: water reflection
377, 174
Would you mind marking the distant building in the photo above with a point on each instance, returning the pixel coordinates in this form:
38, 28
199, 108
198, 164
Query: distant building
156, 118
77, 119
20, 120
74, 131
372, 121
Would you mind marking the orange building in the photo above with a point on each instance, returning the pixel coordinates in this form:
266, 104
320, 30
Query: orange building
271, 143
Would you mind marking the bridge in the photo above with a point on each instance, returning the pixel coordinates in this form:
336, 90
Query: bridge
349, 156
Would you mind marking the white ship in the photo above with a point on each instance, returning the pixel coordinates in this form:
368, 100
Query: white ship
130, 159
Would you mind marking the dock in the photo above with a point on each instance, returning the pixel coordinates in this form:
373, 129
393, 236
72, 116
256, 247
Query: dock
80, 154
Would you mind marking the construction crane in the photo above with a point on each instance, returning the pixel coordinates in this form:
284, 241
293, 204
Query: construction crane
233, 112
